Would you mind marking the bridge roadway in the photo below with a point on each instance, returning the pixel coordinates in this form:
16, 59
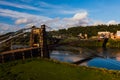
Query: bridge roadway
18, 50
19, 54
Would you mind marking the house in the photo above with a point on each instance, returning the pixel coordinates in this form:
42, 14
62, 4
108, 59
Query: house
103, 34
83, 36
109, 35
117, 36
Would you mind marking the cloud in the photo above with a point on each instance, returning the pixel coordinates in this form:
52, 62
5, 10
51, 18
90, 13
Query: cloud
7, 28
78, 19
19, 15
95, 23
27, 20
47, 5
13, 14
77, 16
20, 6
80, 16
21, 21
112, 22
23, 18
61, 9
70, 11
26, 1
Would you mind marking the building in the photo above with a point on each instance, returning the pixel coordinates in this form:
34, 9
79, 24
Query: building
103, 34
109, 35
118, 34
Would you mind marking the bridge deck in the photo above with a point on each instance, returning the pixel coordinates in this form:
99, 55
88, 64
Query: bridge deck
20, 54
18, 50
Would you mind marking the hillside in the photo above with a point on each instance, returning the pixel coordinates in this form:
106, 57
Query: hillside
39, 69
89, 30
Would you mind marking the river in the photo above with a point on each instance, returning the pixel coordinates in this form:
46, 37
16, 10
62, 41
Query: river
108, 58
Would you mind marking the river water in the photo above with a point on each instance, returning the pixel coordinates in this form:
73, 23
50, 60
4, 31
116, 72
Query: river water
101, 58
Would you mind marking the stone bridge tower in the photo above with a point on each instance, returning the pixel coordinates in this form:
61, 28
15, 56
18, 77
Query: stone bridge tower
38, 38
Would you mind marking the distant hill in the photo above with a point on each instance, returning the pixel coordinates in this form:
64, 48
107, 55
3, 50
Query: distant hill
89, 30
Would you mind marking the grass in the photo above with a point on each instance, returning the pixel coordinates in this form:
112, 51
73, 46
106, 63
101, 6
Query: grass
42, 69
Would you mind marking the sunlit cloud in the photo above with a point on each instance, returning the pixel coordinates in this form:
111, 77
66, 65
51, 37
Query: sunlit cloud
80, 16
95, 23
78, 19
21, 21
112, 22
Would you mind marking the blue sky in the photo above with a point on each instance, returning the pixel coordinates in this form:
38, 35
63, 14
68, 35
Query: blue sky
57, 14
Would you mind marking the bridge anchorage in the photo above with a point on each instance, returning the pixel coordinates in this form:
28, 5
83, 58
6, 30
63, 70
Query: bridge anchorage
37, 47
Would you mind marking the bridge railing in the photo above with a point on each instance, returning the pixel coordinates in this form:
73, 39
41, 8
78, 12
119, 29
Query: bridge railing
20, 54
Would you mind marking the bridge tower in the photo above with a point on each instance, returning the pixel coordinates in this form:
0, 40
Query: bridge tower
38, 38
35, 36
43, 43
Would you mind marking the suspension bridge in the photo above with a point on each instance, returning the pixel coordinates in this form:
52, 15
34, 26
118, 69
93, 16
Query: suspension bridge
36, 40
30, 42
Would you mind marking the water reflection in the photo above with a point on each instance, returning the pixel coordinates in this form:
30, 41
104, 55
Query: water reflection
118, 57
64, 56
104, 63
108, 58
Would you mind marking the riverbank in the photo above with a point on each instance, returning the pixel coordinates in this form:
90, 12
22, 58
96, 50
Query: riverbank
42, 69
90, 43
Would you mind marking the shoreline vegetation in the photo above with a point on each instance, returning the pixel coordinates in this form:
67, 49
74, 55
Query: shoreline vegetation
90, 43
71, 36
47, 69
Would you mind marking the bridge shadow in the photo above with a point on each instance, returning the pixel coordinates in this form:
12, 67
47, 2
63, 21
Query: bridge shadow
103, 54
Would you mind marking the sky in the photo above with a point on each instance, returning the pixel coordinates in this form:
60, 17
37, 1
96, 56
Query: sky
57, 14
